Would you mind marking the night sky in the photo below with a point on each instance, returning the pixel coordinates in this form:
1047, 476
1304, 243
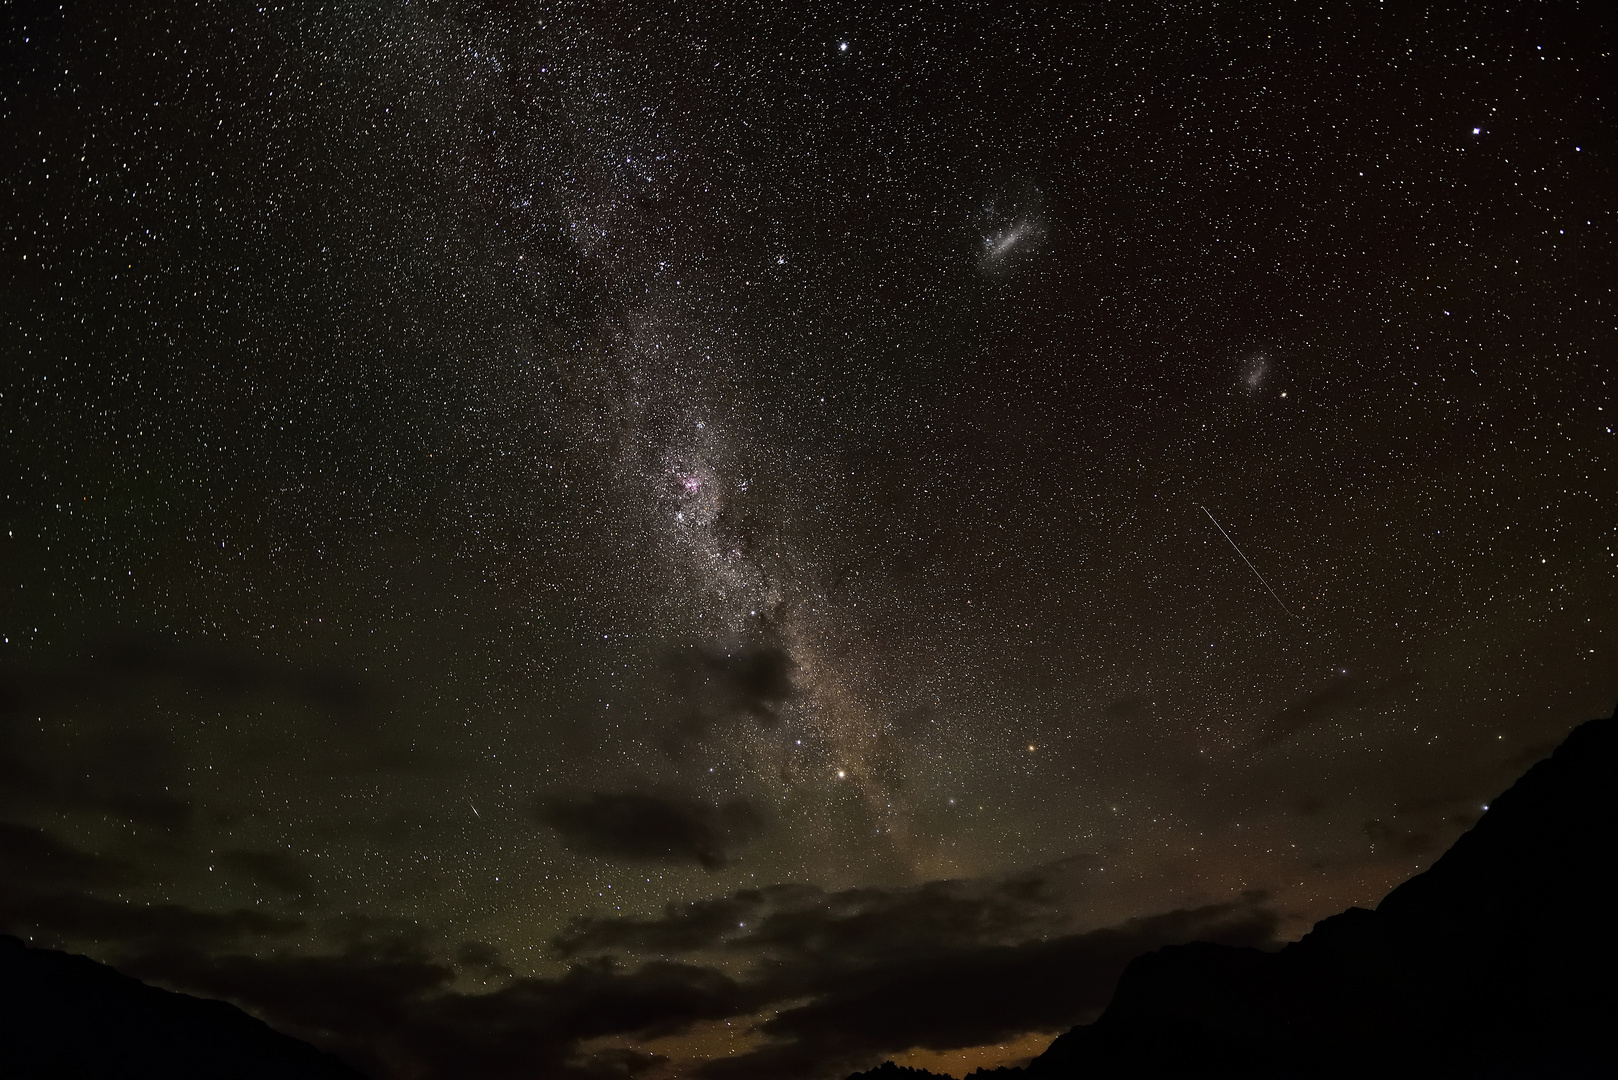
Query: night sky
746, 540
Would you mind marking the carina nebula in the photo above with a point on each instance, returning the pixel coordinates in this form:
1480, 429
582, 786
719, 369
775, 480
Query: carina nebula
607, 542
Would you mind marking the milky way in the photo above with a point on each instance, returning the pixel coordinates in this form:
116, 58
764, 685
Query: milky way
627, 543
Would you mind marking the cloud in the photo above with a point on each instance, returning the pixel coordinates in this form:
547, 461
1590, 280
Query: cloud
870, 972
33, 859
276, 869
133, 663
795, 923
381, 998
213, 669
1404, 840
851, 976
973, 996
646, 827
120, 772
48, 887
129, 926
393, 1014
848, 984
615, 1063
106, 754
1342, 692
481, 956
1128, 707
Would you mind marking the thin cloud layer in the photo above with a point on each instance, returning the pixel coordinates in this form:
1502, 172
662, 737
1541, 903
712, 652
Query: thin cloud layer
1344, 691
636, 827
129, 664
32, 859
797, 922
107, 747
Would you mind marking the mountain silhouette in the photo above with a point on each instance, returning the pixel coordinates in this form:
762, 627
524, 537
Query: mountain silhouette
65, 1017
1499, 961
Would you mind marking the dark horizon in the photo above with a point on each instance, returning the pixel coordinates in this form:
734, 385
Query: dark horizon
583, 539
1495, 961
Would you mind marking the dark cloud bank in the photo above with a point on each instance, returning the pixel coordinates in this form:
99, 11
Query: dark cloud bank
661, 828
121, 665
1492, 955
129, 764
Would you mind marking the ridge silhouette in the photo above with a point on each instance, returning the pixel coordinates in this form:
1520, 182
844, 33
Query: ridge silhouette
1498, 961
66, 1017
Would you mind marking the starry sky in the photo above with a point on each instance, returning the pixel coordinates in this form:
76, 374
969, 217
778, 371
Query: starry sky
745, 540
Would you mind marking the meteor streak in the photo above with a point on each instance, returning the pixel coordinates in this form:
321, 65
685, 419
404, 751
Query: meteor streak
1245, 559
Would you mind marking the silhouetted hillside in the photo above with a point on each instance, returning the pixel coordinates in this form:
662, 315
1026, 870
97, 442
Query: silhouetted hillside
66, 1017
1498, 961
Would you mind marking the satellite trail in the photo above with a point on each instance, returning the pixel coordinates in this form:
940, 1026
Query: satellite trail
1245, 559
